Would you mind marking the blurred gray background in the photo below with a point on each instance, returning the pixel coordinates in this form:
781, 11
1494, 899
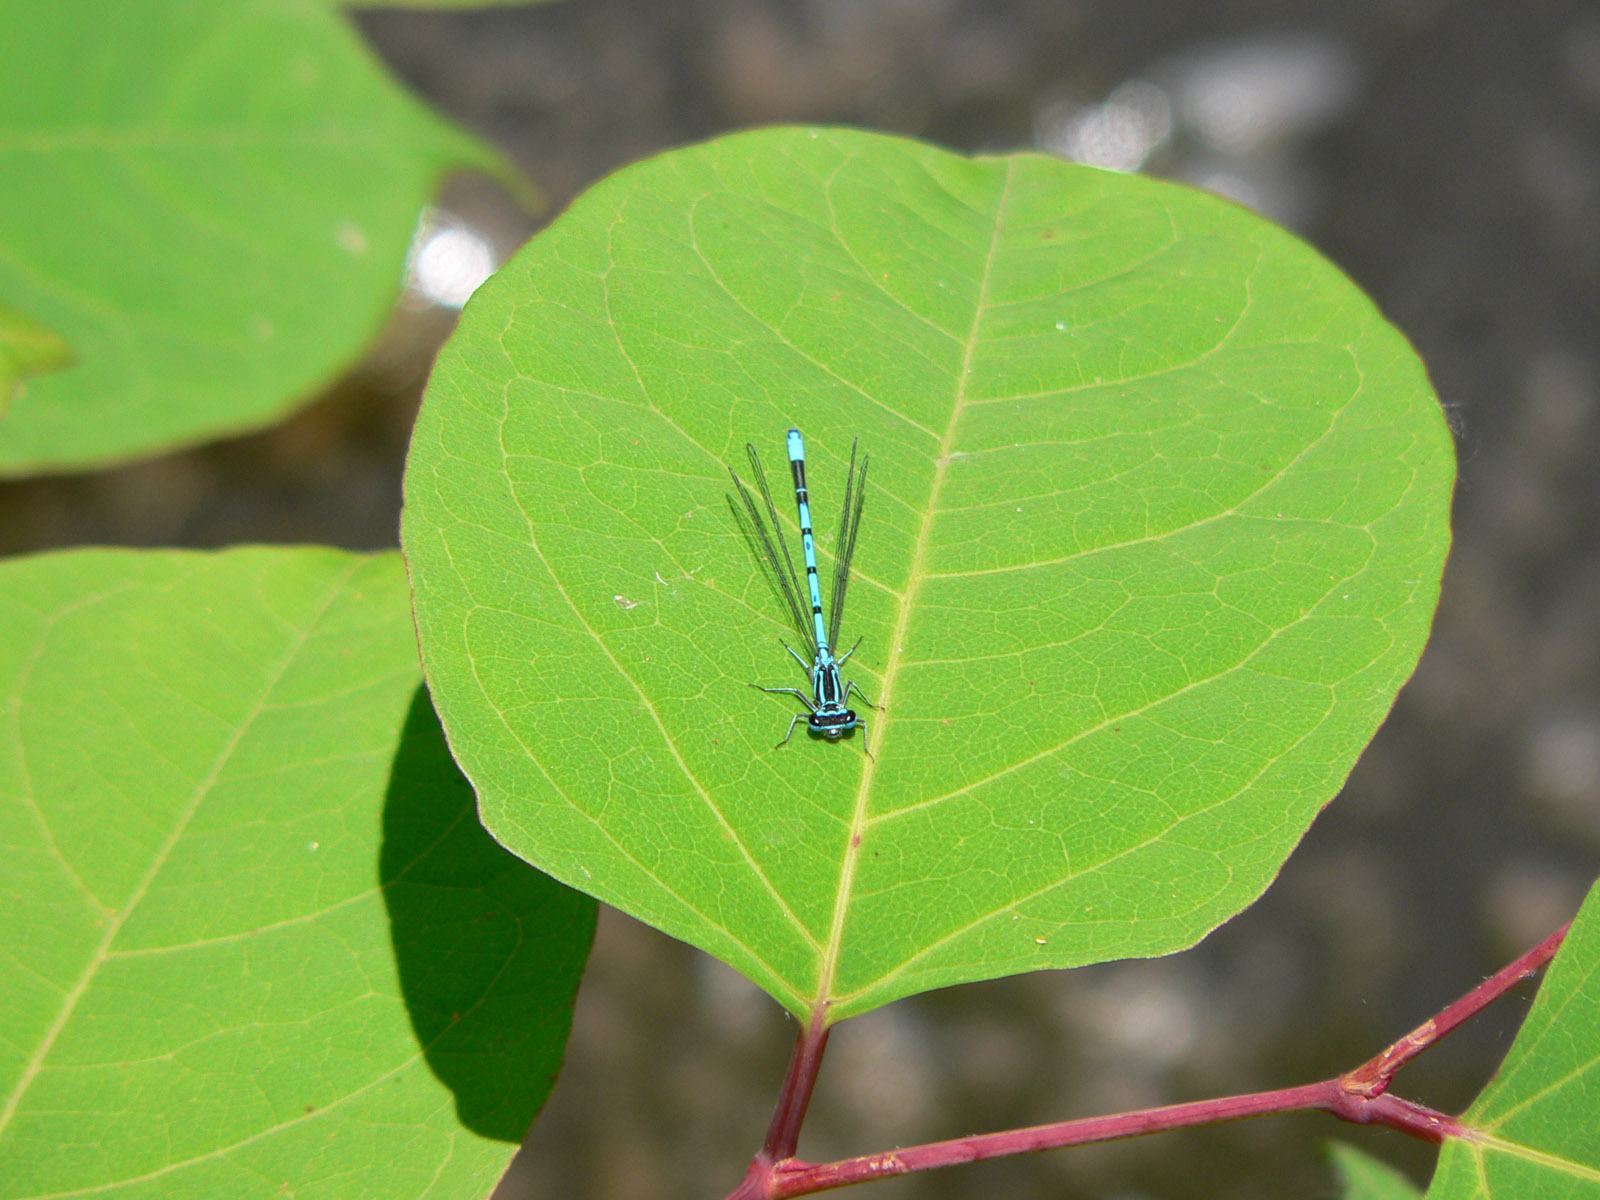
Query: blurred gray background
1447, 156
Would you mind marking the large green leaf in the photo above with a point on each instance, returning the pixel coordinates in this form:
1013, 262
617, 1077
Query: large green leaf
210, 202
1536, 1127
26, 348
1154, 525
255, 943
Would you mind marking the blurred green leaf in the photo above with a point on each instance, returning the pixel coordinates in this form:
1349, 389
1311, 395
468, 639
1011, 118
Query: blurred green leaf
256, 943
1534, 1128
1154, 525
1362, 1177
26, 348
210, 202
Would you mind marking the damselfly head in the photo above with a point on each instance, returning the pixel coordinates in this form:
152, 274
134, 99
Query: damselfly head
832, 725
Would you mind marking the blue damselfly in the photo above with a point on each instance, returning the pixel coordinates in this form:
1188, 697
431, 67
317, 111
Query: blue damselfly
828, 715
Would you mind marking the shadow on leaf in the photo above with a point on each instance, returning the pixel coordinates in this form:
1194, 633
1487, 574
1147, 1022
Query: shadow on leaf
490, 950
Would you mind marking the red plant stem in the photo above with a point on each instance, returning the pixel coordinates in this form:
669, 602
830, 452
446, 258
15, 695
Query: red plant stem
1357, 1096
801, 1077
1373, 1076
796, 1179
784, 1131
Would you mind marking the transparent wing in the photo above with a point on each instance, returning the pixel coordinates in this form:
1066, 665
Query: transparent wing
780, 571
855, 494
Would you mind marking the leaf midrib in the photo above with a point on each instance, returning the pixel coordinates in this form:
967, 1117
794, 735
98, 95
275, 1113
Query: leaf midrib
1486, 1144
914, 579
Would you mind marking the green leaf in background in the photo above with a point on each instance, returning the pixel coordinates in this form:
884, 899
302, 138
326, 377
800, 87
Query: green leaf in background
1154, 526
1537, 1125
256, 943
1362, 1177
26, 348
210, 202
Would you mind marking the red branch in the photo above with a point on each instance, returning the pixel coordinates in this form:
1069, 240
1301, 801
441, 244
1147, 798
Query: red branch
784, 1131
801, 1077
1372, 1077
797, 1179
1359, 1096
